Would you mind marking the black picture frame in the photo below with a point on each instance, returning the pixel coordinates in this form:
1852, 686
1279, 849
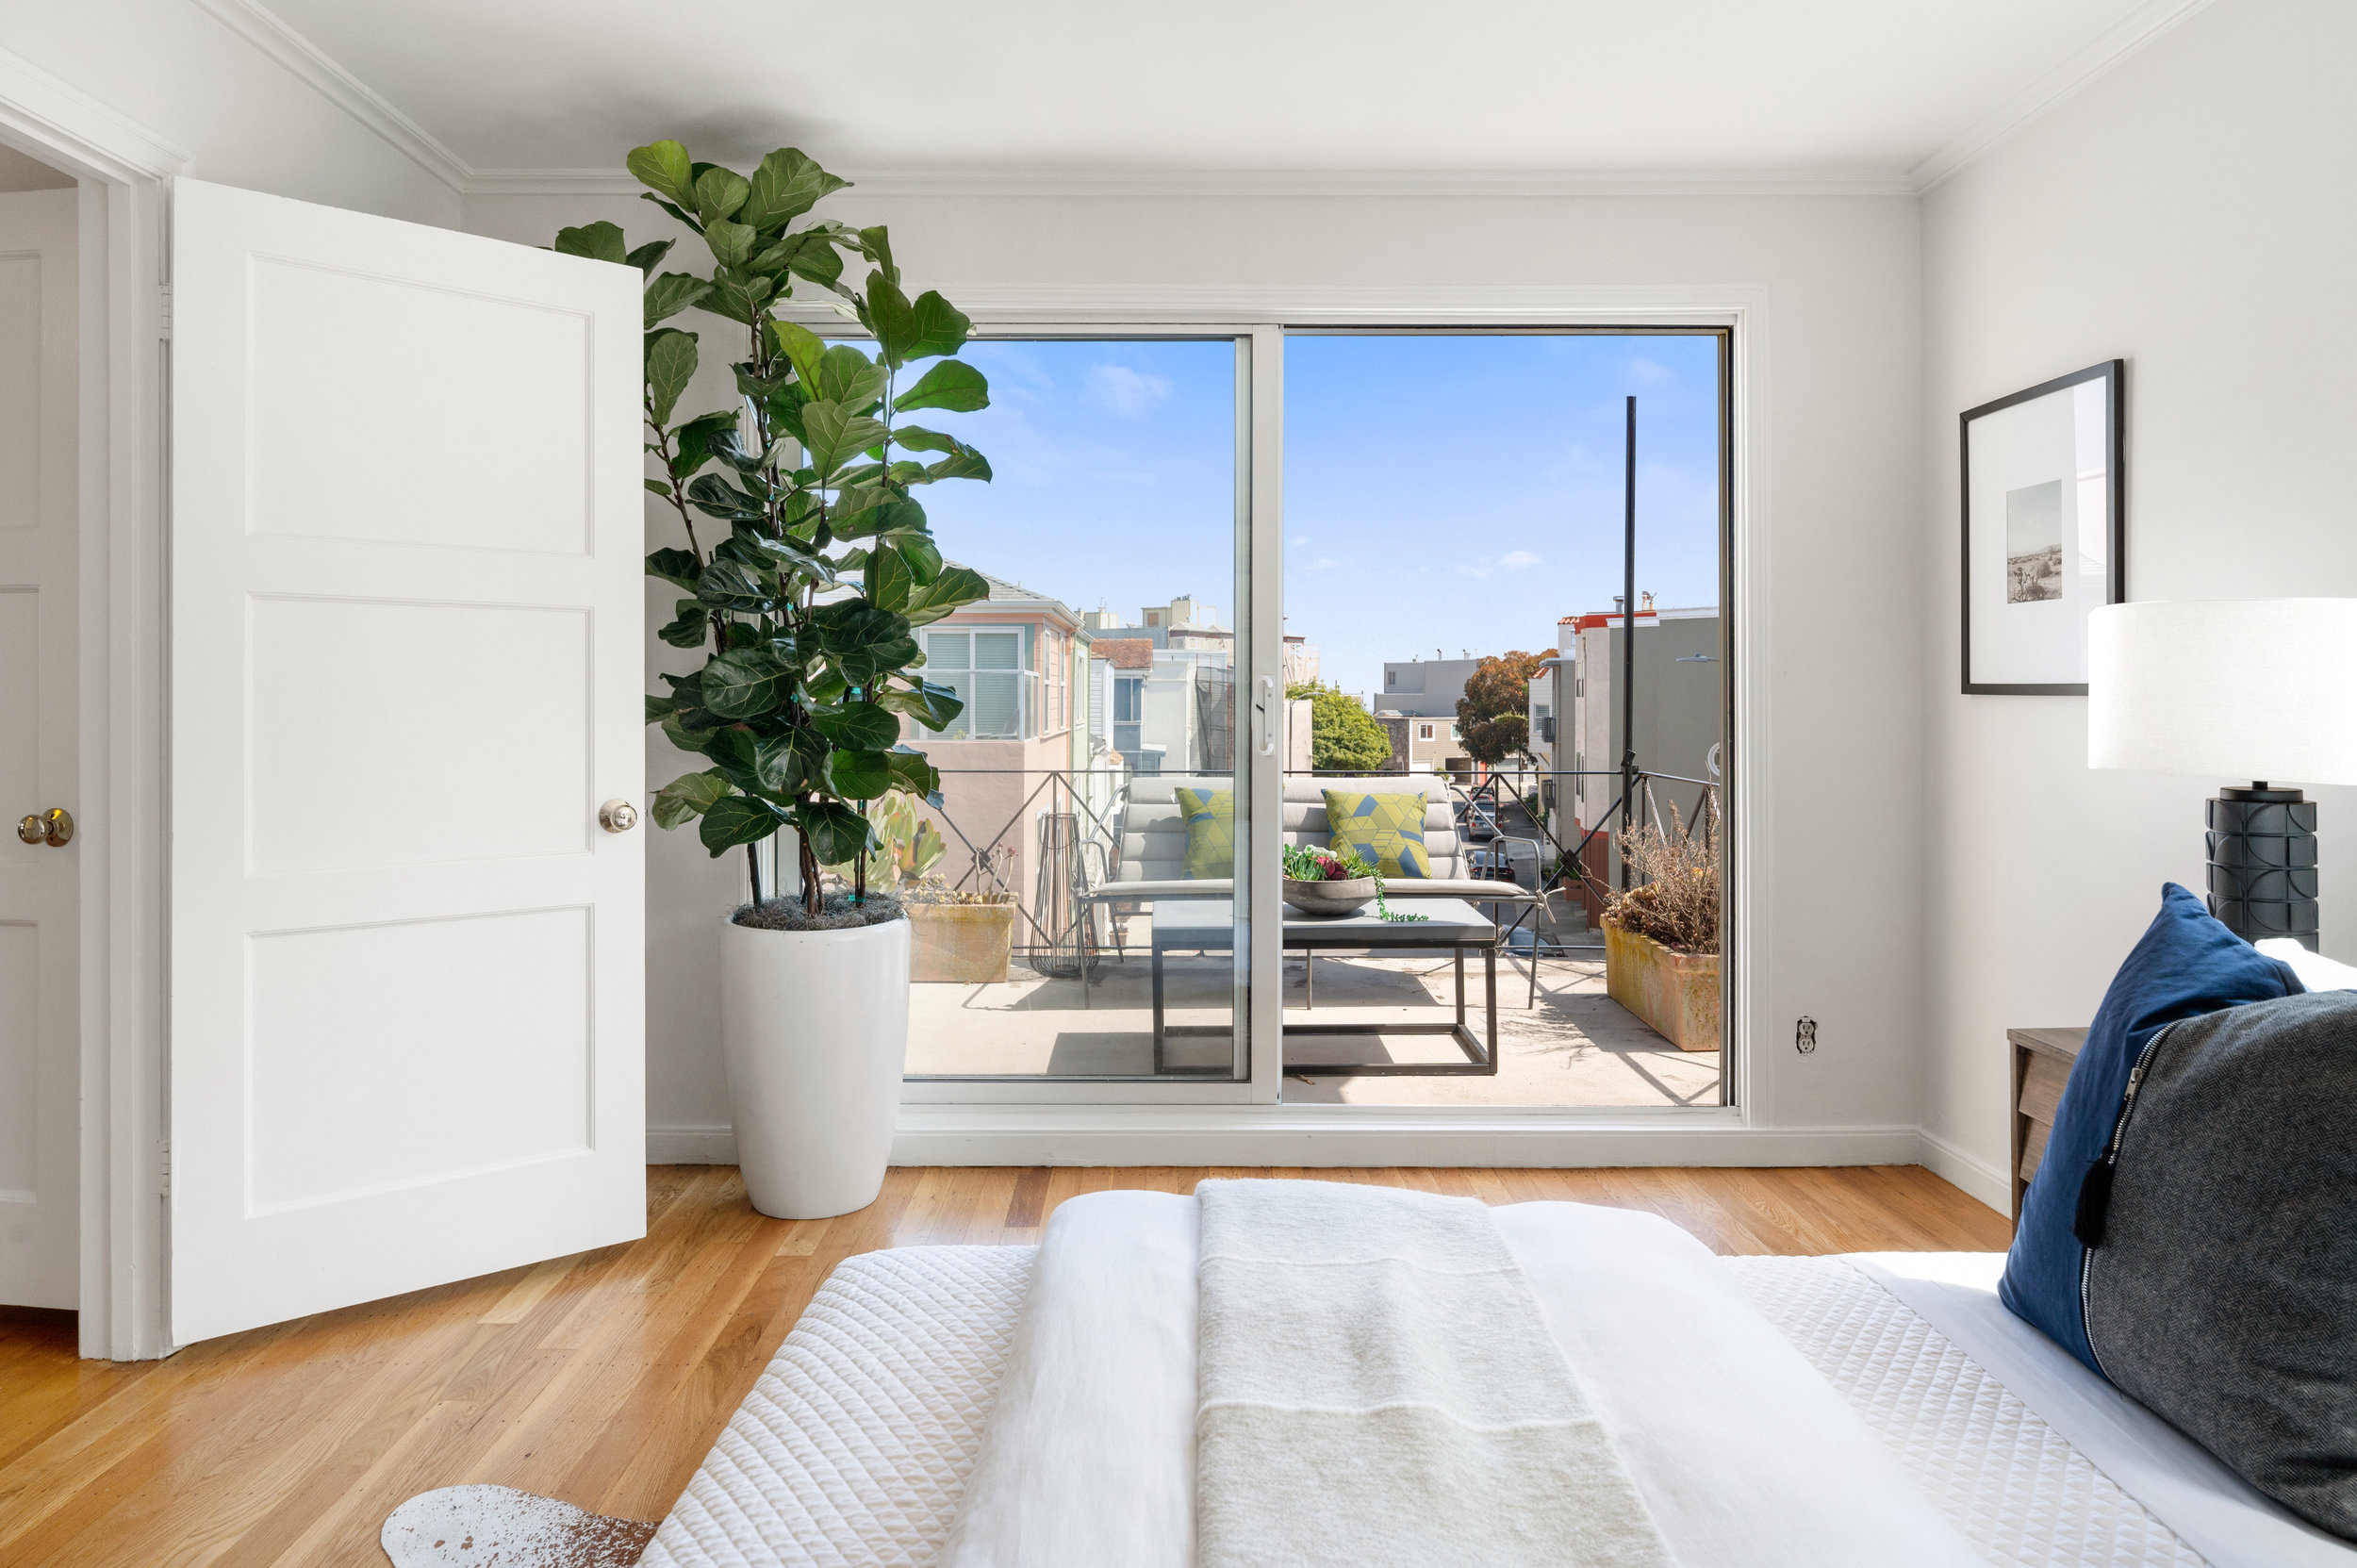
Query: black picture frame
2112, 372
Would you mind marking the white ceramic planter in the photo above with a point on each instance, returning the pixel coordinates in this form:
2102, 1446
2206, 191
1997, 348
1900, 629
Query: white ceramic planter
815, 1032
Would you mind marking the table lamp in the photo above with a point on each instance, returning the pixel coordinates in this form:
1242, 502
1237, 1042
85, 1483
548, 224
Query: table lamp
2264, 689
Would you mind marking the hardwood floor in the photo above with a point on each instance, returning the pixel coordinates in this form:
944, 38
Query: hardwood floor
603, 1379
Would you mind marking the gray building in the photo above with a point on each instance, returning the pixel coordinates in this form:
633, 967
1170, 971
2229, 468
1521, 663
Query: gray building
1425, 689
1680, 710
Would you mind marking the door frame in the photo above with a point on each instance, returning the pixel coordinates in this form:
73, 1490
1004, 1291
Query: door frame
1091, 1122
123, 714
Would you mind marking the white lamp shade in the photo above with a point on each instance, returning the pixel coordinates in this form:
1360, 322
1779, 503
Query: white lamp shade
2238, 688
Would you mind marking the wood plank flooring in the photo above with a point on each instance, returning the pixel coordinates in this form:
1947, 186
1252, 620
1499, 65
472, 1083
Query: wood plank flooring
603, 1379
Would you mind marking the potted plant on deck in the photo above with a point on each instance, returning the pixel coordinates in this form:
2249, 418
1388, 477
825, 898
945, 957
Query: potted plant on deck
807, 562
1661, 936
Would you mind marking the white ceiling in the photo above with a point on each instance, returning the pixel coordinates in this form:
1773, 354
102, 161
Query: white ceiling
1844, 88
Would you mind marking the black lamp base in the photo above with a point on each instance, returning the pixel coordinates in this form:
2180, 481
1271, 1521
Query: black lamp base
2263, 863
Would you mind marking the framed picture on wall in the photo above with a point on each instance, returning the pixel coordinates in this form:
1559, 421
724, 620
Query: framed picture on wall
2044, 487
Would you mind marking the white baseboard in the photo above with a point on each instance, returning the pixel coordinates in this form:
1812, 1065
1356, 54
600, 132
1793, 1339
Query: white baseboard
1969, 1171
1000, 1135
689, 1143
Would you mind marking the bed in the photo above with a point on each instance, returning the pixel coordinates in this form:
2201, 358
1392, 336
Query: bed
1770, 1411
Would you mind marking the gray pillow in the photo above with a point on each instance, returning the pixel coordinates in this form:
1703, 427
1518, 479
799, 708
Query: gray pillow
2221, 1287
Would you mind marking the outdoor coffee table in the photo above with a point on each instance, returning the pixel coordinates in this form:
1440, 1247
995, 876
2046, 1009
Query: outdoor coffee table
1451, 924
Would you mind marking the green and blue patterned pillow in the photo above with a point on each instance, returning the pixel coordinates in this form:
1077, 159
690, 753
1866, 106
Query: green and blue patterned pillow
1386, 829
1210, 816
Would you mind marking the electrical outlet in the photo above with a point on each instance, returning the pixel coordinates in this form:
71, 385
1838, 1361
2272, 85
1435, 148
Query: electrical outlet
1804, 1035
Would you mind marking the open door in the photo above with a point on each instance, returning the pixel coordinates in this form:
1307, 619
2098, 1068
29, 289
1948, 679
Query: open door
406, 952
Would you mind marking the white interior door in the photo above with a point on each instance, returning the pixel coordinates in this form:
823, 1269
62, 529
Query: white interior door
407, 960
39, 1098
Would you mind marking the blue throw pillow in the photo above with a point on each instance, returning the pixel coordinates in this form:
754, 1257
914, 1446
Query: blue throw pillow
2186, 964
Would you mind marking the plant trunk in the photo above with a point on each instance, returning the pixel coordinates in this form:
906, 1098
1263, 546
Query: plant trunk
814, 898
753, 864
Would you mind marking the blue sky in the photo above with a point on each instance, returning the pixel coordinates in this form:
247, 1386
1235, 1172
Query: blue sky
1457, 492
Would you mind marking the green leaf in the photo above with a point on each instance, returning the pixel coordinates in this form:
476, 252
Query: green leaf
822, 264
732, 244
804, 349
912, 772
930, 705
660, 708
876, 245
715, 497
788, 556
891, 317
834, 832
739, 295
746, 682
833, 434
784, 186
857, 775
850, 377
598, 241
954, 384
737, 750
733, 586
923, 558
916, 438
661, 487
862, 726
664, 167
738, 819
647, 257
954, 588
689, 631
941, 327
675, 565
691, 443
889, 579
686, 796
718, 194
670, 365
968, 464
678, 213
671, 293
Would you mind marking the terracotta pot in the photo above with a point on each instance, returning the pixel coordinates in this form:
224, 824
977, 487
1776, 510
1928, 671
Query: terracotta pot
960, 943
1675, 993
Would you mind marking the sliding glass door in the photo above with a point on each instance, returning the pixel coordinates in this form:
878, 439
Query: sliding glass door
1258, 588
1079, 887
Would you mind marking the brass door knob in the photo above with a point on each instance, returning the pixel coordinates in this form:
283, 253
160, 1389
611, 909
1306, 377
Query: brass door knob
618, 817
53, 827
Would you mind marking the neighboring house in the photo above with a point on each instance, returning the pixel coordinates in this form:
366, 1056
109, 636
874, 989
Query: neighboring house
1680, 702
1301, 662
1423, 743
1425, 689
1025, 745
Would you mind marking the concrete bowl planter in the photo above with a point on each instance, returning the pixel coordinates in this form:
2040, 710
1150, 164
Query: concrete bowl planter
1343, 896
814, 1035
960, 943
1676, 994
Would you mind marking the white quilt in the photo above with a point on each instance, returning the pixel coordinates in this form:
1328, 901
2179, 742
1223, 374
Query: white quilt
1743, 1455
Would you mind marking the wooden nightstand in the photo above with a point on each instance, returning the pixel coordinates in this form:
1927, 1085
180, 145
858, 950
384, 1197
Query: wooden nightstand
2041, 1065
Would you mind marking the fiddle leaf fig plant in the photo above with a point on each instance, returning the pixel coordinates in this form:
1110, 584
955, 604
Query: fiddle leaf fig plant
808, 563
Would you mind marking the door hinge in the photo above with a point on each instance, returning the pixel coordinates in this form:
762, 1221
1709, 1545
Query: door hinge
163, 311
163, 1168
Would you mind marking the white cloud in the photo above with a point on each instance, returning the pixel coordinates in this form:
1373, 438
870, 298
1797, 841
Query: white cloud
1323, 563
1646, 373
1129, 393
1515, 560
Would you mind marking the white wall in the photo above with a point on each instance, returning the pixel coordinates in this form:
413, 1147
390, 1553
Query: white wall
244, 117
1838, 285
2191, 213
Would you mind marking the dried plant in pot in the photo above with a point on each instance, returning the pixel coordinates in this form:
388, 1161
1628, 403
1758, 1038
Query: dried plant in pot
805, 564
1661, 935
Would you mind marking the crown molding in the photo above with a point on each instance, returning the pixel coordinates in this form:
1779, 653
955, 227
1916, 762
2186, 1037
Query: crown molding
61, 119
2116, 45
266, 31
1269, 183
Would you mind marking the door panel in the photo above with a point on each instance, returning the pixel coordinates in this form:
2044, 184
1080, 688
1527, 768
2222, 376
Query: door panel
40, 1094
407, 1014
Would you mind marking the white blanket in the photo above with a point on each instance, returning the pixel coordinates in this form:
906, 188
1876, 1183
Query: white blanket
1743, 1455
1377, 1388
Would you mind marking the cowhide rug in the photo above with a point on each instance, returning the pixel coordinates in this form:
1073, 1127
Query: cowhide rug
498, 1526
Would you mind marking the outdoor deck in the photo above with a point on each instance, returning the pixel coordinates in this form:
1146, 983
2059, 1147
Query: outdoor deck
1575, 1047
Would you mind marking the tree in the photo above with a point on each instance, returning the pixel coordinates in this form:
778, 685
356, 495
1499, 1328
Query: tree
814, 661
1344, 736
1493, 715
